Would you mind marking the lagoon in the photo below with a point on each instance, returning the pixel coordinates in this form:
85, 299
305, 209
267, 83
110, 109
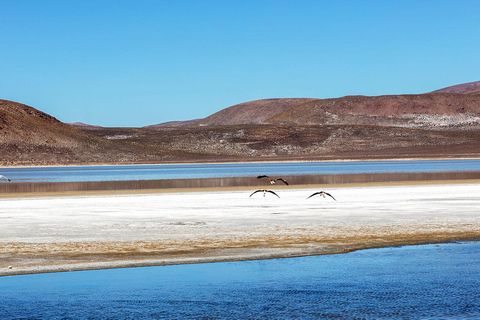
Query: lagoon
427, 281
225, 170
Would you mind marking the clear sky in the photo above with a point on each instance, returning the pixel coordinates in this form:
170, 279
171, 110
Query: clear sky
136, 63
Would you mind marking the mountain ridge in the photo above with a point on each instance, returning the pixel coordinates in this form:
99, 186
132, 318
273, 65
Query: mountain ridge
436, 124
303, 111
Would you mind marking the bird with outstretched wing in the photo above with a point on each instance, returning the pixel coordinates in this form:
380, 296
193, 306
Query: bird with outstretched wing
264, 192
322, 194
3, 177
272, 181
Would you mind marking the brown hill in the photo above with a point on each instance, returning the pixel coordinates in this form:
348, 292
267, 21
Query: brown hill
467, 88
172, 124
439, 110
426, 125
252, 112
21, 124
436, 110
29, 136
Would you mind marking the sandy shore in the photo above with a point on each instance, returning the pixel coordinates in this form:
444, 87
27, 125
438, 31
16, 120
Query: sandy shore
96, 231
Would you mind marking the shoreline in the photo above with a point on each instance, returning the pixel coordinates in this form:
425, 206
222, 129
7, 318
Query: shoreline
225, 255
233, 188
120, 230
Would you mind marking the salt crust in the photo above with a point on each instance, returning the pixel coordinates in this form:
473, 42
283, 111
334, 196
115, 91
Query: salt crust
103, 231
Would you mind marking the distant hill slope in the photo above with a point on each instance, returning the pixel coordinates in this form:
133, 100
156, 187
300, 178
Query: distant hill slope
289, 110
447, 102
467, 88
172, 124
82, 125
253, 112
400, 110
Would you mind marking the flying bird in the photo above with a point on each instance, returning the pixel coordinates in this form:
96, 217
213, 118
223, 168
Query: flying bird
3, 177
322, 194
272, 181
264, 192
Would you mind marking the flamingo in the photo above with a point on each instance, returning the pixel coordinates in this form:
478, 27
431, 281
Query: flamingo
322, 194
272, 181
3, 177
264, 192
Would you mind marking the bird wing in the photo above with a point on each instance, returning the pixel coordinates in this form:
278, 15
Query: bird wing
314, 194
255, 192
262, 176
328, 194
273, 193
283, 181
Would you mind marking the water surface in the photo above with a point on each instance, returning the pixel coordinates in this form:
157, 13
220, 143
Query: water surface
195, 171
427, 282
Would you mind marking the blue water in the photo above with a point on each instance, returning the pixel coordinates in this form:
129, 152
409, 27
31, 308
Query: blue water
191, 171
412, 282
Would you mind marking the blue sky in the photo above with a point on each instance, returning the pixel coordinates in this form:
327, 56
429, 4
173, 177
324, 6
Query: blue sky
137, 63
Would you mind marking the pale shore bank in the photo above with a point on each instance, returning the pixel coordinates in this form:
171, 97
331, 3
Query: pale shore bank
108, 229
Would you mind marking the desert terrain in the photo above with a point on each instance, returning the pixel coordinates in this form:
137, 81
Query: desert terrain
440, 124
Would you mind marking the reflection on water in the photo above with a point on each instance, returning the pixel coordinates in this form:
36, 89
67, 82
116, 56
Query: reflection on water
232, 182
201, 171
427, 282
